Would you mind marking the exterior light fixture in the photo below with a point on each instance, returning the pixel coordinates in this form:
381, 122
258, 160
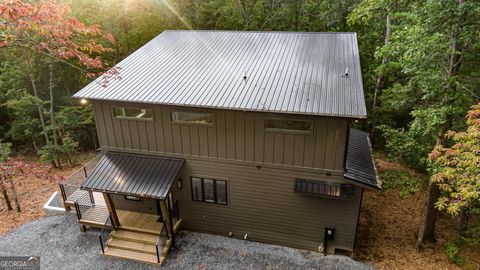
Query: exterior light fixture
179, 183
83, 101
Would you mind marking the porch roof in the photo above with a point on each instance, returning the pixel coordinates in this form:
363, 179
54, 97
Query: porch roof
359, 163
131, 174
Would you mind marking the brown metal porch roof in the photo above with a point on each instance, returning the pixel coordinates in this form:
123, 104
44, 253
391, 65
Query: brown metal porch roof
359, 163
131, 174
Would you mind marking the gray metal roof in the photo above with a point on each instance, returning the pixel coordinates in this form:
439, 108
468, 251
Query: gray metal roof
359, 165
285, 72
129, 174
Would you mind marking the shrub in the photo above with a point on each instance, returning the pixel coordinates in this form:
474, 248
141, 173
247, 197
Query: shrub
404, 181
453, 254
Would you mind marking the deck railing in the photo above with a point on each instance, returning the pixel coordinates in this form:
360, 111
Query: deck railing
72, 183
105, 232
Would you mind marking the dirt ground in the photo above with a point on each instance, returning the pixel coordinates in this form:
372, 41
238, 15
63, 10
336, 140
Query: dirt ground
388, 229
386, 237
32, 194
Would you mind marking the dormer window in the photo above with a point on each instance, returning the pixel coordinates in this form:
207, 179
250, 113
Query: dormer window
133, 113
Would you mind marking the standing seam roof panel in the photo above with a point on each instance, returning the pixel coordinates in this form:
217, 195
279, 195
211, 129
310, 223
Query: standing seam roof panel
287, 72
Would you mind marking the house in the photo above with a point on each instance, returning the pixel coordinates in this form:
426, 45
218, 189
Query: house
240, 134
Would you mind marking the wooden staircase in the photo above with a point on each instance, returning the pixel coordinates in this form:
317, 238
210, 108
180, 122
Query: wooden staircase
137, 245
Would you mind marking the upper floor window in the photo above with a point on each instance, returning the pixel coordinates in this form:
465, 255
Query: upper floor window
192, 117
132, 113
329, 189
288, 125
209, 190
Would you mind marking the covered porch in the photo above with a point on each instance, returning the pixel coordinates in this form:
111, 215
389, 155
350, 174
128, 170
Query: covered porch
139, 218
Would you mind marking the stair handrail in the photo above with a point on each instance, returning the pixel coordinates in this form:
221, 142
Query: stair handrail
158, 241
103, 240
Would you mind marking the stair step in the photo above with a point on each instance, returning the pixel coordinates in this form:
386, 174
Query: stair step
131, 255
133, 246
135, 236
133, 229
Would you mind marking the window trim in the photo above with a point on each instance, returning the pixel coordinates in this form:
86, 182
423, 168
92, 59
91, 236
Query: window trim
288, 131
112, 109
193, 110
202, 193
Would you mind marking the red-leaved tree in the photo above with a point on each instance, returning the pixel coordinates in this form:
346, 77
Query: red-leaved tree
46, 28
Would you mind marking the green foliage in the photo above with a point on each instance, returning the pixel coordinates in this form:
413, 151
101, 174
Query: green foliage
404, 181
25, 125
5, 151
457, 168
453, 255
62, 152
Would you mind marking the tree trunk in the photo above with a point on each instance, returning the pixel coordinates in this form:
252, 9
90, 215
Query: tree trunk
464, 215
34, 144
429, 216
56, 161
6, 197
37, 102
380, 79
15, 195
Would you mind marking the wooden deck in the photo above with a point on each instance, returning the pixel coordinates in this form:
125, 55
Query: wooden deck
95, 216
139, 221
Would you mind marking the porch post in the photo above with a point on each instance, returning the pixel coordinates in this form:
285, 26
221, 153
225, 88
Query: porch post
166, 216
111, 208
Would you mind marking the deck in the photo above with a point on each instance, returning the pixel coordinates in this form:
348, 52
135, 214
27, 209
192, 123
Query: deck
139, 221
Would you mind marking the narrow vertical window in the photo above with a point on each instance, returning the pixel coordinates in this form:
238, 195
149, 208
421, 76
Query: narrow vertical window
208, 185
197, 189
221, 191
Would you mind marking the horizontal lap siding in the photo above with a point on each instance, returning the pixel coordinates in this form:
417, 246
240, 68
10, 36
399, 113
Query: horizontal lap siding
263, 204
235, 135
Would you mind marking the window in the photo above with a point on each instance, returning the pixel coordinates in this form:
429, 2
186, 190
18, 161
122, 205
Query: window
132, 198
188, 117
209, 190
343, 191
132, 112
288, 124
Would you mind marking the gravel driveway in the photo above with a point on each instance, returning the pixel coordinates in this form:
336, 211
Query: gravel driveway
59, 243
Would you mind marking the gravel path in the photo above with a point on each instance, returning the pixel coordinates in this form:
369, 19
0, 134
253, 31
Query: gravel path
61, 246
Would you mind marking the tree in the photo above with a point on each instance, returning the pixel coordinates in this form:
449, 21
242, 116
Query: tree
457, 168
9, 169
46, 28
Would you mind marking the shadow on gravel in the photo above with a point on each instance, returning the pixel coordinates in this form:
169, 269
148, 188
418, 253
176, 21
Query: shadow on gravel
59, 243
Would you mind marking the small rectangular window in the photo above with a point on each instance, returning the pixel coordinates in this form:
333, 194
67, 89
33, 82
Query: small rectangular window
190, 117
343, 191
209, 190
132, 113
288, 125
132, 198
197, 189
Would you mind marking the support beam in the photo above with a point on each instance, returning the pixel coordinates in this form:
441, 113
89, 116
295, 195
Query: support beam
111, 209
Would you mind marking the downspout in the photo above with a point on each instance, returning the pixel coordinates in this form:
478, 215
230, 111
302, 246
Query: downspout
358, 220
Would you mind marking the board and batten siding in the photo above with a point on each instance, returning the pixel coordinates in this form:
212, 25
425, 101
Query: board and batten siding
235, 135
262, 204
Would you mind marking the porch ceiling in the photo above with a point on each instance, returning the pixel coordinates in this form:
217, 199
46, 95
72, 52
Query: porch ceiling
131, 174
